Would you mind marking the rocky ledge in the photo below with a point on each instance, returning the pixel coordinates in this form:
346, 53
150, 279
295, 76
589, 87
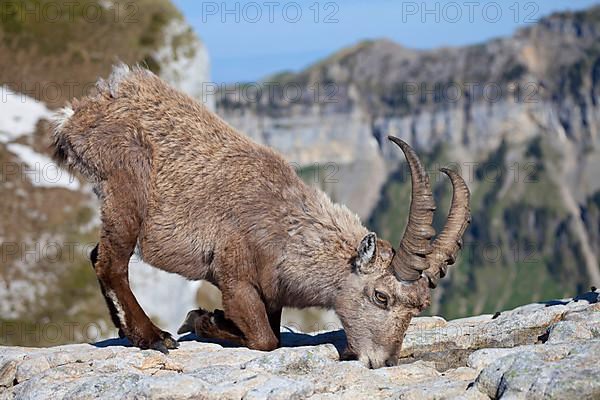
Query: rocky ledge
542, 350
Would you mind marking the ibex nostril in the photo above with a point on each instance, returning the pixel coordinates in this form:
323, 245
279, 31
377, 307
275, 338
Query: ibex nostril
391, 362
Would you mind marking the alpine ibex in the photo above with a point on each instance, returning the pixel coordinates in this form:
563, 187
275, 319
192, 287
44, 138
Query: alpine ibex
201, 200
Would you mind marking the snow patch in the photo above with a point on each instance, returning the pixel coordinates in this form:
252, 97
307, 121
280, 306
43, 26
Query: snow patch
23, 284
19, 114
43, 171
15, 296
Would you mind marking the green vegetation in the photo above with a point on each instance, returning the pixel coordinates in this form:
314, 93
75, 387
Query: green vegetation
68, 45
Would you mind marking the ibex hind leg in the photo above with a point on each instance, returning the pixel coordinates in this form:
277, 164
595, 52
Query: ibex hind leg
215, 325
109, 303
121, 221
248, 326
212, 325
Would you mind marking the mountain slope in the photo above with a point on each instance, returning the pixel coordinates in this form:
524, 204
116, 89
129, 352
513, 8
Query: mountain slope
59, 48
518, 116
49, 219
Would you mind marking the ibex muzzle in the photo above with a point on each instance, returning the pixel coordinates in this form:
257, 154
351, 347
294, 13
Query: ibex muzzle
204, 201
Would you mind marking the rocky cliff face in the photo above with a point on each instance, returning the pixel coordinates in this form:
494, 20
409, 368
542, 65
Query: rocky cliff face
538, 351
49, 219
518, 116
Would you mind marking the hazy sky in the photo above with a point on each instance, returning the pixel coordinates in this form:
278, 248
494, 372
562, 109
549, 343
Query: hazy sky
248, 40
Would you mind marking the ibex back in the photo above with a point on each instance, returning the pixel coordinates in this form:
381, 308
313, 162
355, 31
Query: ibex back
202, 200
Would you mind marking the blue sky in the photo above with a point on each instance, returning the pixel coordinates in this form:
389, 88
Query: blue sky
248, 40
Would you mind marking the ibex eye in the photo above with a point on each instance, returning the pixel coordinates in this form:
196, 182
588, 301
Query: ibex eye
381, 298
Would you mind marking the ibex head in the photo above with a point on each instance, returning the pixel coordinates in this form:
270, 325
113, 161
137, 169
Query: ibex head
389, 286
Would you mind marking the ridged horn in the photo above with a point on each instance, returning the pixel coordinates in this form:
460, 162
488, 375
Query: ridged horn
448, 243
410, 259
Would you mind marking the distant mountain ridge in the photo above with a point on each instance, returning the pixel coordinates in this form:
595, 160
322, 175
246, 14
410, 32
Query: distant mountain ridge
518, 115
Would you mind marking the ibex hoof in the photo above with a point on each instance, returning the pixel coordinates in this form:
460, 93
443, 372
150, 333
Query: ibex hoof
189, 325
348, 355
165, 344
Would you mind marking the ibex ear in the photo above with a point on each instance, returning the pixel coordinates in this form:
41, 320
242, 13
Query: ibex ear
366, 251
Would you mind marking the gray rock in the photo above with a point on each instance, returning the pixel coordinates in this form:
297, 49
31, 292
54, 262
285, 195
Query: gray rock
566, 331
470, 358
545, 374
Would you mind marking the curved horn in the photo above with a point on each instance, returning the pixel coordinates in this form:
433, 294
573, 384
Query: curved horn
410, 258
448, 243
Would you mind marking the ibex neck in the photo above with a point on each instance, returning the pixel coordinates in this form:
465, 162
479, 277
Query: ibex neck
319, 255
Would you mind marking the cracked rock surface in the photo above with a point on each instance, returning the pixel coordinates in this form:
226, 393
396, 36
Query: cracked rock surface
537, 351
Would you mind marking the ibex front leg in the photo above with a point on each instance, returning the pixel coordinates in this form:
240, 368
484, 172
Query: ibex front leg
121, 223
243, 305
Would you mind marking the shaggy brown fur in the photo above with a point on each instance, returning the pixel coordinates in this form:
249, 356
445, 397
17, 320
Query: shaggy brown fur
202, 200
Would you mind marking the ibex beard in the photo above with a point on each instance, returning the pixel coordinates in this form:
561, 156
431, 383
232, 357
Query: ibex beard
201, 200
